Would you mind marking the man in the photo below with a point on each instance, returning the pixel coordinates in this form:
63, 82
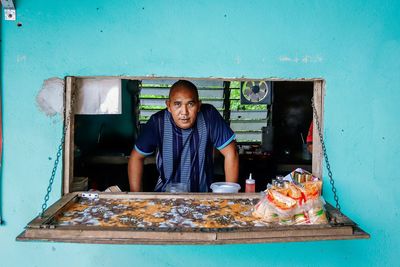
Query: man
184, 136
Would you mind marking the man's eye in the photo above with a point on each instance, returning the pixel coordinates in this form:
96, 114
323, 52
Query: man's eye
177, 104
191, 104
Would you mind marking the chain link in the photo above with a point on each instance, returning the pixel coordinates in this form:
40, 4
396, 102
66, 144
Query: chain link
328, 166
59, 153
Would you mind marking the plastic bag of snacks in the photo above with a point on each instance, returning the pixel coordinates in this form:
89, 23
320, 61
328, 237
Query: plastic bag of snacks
292, 200
266, 212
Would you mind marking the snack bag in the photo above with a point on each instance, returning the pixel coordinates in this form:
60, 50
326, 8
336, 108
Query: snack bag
280, 200
300, 218
265, 211
312, 189
300, 176
294, 200
316, 211
286, 220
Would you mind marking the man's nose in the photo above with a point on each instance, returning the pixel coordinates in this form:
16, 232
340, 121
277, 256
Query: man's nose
185, 109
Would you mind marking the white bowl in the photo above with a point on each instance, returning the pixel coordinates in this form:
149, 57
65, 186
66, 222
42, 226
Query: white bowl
225, 187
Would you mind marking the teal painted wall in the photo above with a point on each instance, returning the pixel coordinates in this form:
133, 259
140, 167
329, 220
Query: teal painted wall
354, 45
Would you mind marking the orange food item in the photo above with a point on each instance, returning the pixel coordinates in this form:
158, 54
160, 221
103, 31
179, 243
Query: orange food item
294, 191
313, 189
281, 201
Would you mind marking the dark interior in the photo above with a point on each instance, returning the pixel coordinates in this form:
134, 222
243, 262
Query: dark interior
104, 142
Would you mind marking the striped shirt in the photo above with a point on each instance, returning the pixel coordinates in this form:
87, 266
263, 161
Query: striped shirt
185, 155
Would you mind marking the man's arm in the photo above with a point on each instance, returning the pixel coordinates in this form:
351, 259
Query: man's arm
231, 162
135, 171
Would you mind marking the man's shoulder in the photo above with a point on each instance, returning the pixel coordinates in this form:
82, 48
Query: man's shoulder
156, 119
210, 113
208, 109
158, 114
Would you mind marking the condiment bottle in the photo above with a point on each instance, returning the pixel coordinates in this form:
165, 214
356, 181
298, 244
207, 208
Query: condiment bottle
250, 185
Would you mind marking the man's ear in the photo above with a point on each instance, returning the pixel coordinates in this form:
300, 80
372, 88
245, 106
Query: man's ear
167, 103
199, 105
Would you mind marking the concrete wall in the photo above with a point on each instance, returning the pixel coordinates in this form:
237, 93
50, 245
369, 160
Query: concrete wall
354, 45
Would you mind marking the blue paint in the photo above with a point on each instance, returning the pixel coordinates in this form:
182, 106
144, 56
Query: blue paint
354, 45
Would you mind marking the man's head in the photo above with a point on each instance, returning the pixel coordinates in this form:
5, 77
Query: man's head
183, 103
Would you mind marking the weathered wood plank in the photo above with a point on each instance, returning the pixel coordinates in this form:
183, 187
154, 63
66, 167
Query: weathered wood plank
317, 156
286, 233
336, 217
358, 234
53, 210
68, 155
120, 234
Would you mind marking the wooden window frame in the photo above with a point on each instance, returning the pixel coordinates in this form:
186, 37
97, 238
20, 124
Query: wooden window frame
71, 86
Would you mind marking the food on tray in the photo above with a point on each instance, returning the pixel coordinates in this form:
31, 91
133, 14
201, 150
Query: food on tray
153, 213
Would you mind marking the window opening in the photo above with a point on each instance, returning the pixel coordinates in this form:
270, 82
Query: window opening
269, 136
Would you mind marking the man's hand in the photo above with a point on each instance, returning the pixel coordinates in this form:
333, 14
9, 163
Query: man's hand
135, 171
231, 162
309, 147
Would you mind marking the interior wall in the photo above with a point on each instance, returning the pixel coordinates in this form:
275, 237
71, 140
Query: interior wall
110, 132
353, 45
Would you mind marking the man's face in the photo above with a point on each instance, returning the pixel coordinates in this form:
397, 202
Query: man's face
184, 106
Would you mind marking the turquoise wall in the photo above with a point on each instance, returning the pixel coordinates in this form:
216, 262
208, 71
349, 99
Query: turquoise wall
354, 45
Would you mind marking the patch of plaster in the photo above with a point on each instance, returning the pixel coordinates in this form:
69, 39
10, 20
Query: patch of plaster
21, 58
237, 60
50, 98
304, 59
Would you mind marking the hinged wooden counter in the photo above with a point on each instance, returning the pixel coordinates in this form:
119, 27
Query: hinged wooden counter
140, 218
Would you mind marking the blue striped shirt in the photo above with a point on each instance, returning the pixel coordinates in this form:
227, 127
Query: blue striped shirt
185, 155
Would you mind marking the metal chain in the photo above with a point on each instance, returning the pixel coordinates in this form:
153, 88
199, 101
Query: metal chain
328, 166
59, 151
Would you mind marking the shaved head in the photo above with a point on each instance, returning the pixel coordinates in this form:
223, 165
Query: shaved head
184, 85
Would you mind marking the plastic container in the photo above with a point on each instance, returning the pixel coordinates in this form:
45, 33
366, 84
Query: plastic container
225, 187
176, 187
250, 185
